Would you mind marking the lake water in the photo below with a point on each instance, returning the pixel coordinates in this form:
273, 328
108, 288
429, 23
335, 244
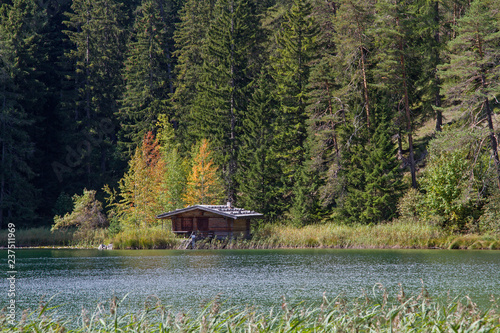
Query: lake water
186, 279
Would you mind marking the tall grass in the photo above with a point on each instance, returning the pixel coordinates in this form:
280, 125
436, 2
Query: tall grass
41, 236
377, 313
146, 238
391, 235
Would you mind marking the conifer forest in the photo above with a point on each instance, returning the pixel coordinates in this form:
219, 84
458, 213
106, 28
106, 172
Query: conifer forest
308, 111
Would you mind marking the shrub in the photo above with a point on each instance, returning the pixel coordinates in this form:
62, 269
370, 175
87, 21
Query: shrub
489, 222
86, 216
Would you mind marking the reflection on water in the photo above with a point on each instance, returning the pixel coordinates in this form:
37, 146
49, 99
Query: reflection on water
82, 278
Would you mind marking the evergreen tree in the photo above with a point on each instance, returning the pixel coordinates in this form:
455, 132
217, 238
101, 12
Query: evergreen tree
190, 38
258, 175
373, 179
383, 176
393, 77
223, 94
146, 76
296, 41
470, 77
20, 24
340, 88
96, 31
176, 167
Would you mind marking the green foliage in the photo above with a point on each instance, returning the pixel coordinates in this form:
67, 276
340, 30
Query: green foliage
140, 197
222, 97
489, 222
296, 44
190, 39
447, 196
63, 205
258, 176
146, 76
86, 215
21, 22
411, 205
373, 178
96, 32
176, 167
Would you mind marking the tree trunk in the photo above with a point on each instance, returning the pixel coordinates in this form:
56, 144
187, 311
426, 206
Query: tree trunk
437, 101
407, 116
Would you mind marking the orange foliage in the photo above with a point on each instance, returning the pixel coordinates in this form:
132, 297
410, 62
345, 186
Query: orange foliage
142, 188
203, 184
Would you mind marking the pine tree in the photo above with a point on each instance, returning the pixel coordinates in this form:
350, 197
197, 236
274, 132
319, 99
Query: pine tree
96, 31
20, 24
258, 175
394, 63
353, 45
470, 77
189, 37
203, 184
146, 76
223, 95
383, 176
296, 41
372, 178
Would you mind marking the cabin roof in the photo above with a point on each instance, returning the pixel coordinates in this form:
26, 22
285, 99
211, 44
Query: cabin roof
224, 210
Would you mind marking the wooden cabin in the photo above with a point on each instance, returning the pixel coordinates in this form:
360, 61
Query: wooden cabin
219, 221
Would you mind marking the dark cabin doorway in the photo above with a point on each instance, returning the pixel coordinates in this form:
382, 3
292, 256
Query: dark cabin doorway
203, 224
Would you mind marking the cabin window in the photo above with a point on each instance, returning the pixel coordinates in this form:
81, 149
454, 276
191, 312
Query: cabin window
186, 223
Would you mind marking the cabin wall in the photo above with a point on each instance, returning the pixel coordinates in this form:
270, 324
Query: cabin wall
218, 226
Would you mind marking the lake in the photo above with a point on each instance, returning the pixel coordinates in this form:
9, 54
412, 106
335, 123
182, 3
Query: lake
187, 279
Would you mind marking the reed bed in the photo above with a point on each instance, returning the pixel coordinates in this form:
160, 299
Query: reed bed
146, 238
41, 236
44, 237
369, 313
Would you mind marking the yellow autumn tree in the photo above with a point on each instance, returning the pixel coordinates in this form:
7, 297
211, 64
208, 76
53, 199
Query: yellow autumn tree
141, 189
203, 184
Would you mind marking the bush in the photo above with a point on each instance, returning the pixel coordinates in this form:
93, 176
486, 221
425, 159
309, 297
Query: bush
448, 198
489, 222
87, 216
410, 204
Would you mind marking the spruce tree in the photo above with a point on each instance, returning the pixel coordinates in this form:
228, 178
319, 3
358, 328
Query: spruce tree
392, 75
146, 77
20, 25
295, 41
222, 95
258, 175
471, 84
372, 177
382, 175
190, 38
96, 32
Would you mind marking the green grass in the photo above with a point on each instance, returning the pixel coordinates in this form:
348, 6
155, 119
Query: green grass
369, 313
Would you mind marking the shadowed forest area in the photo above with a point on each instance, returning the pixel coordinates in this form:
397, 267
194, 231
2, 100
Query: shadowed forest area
308, 111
